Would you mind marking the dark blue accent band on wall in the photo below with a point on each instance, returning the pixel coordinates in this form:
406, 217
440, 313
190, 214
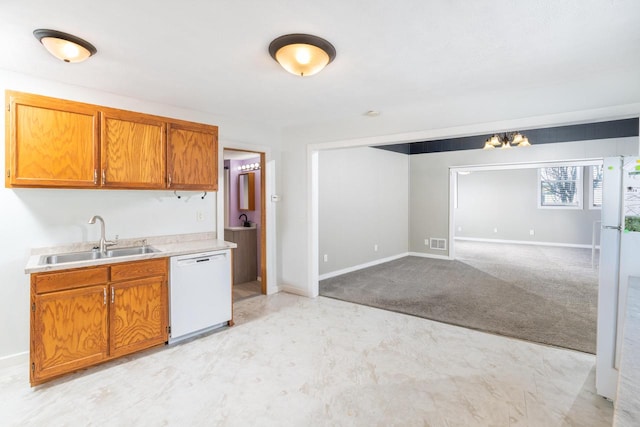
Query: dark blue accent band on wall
588, 131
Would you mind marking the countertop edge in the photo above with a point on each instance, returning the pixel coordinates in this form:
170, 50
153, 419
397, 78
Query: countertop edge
164, 250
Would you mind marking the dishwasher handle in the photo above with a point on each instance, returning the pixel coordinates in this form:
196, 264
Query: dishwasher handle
200, 259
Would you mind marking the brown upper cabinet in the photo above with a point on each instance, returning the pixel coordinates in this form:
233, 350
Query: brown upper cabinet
50, 142
57, 143
192, 156
132, 150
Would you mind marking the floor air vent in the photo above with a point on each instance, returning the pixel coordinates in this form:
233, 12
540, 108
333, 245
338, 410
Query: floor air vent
439, 244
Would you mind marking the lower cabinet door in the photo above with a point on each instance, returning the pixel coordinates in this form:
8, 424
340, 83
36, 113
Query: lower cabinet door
68, 331
138, 315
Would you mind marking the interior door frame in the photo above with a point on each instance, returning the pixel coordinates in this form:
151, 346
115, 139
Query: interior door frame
267, 236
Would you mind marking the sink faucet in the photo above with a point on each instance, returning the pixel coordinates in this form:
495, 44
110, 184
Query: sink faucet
103, 241
245, 223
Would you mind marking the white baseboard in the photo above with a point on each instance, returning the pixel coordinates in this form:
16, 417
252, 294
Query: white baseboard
15, 360
295, 290
526, 242
273, 290
360, 266
426, 255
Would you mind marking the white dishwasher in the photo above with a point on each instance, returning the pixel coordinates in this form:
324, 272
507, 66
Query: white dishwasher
199, 293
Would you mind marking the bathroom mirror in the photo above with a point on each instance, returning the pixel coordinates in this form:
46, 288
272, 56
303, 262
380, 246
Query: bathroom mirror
246, 192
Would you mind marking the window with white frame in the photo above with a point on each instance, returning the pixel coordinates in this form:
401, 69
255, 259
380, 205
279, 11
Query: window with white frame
595, 186
560, 187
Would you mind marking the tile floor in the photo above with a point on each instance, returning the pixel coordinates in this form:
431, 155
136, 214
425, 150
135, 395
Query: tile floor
294, 361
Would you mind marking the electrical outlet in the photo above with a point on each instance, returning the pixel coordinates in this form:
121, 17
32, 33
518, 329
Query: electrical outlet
532, 232
426, 242
199, 216
326, 258
495, 230
375, 248
459, 228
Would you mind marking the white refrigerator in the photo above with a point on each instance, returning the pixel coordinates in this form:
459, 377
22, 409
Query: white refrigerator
619, 260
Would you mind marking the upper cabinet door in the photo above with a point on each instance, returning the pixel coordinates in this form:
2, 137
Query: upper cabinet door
132, 150
51, 142
192, 156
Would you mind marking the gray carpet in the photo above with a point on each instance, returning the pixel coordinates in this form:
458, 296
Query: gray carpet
537, 293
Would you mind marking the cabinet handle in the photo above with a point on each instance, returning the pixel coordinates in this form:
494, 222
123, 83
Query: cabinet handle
169, 180
104, 295
113, 295
104, 176
95, 176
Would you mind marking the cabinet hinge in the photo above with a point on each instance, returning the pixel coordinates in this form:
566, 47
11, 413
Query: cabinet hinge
33, 367
169, 330
33, 307
8, 107
8, 173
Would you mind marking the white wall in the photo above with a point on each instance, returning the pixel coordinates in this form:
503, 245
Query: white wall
429, 178
507, 200
47, 217
363, 201
293, 220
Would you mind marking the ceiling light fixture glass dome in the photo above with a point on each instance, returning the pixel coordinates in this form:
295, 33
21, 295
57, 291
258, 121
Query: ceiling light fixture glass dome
65, 47
302, 54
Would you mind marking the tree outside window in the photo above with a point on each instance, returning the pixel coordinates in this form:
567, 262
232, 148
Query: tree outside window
560, 187
596, 187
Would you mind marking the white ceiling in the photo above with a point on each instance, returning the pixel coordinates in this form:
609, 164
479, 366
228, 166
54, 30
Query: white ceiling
441, 58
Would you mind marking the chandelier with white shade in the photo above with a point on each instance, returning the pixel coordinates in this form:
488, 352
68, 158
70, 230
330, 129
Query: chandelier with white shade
506, 140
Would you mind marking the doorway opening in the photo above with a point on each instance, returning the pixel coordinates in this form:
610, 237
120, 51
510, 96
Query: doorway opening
245, 220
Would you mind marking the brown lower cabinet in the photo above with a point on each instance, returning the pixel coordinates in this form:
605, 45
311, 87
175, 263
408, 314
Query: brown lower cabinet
86, 316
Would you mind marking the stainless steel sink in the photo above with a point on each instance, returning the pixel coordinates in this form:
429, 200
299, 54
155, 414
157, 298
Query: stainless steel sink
95, 254
70, 257
135, 250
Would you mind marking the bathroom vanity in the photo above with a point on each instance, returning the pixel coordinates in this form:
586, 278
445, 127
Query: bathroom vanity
245, 260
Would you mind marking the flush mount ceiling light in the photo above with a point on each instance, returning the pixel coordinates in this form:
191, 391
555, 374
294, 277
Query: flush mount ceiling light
506, 140
65, 46
302, 54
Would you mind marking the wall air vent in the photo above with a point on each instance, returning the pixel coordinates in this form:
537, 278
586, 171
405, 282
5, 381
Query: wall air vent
438, 244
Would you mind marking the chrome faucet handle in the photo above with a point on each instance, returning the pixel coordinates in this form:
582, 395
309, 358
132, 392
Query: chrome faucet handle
108, 243
141, 242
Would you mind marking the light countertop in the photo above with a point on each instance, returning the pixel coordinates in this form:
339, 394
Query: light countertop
240, 228
165, 245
